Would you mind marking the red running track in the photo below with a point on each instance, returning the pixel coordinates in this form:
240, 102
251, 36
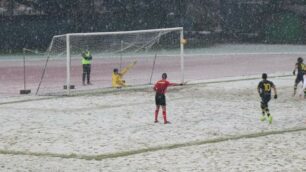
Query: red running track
196, 67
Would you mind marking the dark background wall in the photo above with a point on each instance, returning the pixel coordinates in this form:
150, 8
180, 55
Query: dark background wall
205, 22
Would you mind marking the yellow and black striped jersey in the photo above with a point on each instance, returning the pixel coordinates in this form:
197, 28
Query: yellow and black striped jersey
301, 68
265, 86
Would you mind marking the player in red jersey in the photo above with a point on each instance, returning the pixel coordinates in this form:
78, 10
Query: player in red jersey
160, 99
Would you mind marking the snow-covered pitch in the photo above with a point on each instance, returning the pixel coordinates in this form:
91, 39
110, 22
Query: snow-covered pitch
215, 127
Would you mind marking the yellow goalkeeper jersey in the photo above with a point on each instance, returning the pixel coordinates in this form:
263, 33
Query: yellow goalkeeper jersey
117, 80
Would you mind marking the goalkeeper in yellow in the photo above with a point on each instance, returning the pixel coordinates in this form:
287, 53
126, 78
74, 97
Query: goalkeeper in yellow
117, 81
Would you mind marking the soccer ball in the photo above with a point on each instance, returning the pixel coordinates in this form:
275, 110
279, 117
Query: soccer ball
183, 41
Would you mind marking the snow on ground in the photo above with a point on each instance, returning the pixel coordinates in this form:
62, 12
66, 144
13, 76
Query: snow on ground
215, 127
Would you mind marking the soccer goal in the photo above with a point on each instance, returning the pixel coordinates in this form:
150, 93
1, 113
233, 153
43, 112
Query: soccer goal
155, 51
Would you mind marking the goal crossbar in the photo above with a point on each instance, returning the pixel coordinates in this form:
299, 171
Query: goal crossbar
124, 32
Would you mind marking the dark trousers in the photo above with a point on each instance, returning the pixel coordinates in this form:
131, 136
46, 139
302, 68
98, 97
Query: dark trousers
86, 72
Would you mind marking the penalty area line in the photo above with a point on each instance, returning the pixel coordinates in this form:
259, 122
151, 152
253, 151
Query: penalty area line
101, 157
133, 88
236, 79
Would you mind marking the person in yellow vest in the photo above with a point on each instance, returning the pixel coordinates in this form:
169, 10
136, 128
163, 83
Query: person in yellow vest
86, 62
117, 81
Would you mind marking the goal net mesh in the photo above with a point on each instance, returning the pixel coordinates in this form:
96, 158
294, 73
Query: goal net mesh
155, 51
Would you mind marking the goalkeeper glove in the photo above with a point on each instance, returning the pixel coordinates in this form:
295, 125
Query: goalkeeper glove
275, 96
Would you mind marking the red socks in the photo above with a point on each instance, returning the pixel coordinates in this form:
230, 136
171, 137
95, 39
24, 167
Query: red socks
165, 116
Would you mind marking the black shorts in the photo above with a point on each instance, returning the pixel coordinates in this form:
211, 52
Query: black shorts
265, 99
160, 99
299, 78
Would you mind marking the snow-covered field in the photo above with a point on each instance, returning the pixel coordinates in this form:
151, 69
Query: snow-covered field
215, 127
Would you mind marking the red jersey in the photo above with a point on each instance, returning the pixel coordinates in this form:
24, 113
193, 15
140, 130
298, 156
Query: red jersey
162, 85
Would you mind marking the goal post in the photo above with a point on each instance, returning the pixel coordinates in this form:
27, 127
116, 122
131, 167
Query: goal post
182, 43
163, 47
68, 58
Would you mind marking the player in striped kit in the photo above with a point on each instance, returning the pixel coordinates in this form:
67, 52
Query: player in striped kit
301, 70
264, 90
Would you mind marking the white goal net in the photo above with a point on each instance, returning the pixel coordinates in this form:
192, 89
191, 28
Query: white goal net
154, 51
